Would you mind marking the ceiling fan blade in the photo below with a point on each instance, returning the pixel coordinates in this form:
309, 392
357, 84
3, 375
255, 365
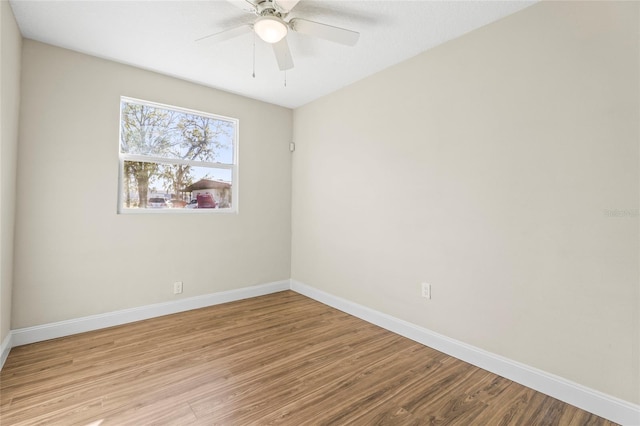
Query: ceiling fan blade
327, 32
228, 34
246, 5
287, 5
283, 54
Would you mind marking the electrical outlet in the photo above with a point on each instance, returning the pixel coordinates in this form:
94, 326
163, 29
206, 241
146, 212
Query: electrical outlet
426, 290
177, 287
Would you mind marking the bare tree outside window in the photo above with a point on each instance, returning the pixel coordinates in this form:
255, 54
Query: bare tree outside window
172, 158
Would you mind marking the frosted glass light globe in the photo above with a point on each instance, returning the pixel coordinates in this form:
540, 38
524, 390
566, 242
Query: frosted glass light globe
270, 29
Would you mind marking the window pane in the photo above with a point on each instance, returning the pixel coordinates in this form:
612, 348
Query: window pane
149, 185
160, 132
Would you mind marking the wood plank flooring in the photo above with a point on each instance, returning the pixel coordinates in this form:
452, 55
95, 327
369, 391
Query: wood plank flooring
277, 359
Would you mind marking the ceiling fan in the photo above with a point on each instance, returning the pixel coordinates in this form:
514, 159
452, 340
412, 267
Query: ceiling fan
271, 27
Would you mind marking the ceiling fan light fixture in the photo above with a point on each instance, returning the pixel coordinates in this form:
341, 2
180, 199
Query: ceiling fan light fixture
270, 28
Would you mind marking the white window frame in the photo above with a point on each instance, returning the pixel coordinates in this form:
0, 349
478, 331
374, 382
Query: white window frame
167, 160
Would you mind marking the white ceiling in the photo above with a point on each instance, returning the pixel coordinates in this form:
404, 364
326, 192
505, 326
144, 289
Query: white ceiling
160, 35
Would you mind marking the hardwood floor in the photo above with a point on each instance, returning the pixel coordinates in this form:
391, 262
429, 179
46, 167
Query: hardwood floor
276, 359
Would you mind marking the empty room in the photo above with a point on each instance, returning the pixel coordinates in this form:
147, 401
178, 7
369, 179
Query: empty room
317, 212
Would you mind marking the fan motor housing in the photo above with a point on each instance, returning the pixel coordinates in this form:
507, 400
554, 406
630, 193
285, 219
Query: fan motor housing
267, 8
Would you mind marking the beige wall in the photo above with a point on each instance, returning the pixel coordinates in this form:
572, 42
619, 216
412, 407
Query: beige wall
10, 51
501, 167
74, 255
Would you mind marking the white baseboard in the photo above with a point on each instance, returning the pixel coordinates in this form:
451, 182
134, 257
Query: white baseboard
590, 400
23, 336
5, 348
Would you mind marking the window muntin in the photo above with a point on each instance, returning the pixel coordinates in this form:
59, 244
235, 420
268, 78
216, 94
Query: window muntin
178, 155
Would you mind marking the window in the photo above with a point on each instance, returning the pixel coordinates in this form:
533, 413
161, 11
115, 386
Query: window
173, 159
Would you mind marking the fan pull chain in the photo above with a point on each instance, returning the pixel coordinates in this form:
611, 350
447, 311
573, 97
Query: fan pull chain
254, 55
285, 79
